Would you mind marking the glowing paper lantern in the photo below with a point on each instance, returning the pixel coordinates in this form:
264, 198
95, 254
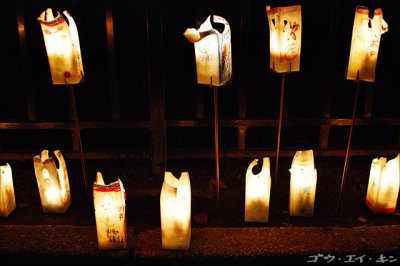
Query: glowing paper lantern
258, 189
383, 185
285, 38
109, 206
303, 183
53, 183
175, 210
7, 196
365, 42
62, 45
213, 52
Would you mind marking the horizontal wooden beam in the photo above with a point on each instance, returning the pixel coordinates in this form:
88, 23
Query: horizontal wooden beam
70, 125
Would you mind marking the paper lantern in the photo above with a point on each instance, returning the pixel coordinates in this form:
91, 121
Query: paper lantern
213, 52
303, 183
7, 196
285, 28
365, 42
52, 182
175, 210
62, 45
109, 206
383, 185
258, 189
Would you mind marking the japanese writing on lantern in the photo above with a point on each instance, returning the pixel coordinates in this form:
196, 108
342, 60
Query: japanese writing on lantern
113, 236
351, 258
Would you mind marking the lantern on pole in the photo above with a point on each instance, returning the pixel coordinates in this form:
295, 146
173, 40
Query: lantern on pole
175, 211
213, 65
7, 196
285, 27
362, 63
65, 60
53, 183
383, 185
303, 184
109, 206
257, 195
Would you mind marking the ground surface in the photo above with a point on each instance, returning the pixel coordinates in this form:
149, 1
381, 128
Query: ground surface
142, 204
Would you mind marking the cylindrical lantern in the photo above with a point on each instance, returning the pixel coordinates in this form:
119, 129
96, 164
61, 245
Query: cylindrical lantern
258, 189
365, 44
285, 28
213, 52
7, 196
62, 45
109, 206
383, 185
303, 183
52, 182
175, 210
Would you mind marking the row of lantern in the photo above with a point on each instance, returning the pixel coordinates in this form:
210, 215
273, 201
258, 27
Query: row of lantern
175, 196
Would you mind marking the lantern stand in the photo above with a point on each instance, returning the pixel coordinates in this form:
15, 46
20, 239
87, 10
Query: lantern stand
280, 121
346, 162
71, 95
216, 140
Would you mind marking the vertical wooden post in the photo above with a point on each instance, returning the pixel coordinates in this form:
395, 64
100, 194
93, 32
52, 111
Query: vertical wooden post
26, 76
112, 64
155, 68
244, 32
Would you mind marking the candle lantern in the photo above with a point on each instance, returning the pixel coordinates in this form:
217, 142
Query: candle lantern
303, 183
365, 44
52, 182
258, 188
109, 205
7, 196
213, 52
383, 185
62, 46
285, 38
175, 211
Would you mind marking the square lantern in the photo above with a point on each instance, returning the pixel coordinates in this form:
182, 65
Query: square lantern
258, 190
383, 185
52, 182
365, 42
213, 52
109, 206
62, 46
175, 211
285, 28
7, 196
303, 183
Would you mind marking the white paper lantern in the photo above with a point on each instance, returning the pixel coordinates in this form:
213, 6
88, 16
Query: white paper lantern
258, 189
175, 212
109, 206
365, 42
285, 29
52, 182
213, 52
303, 184
7, 196
383, 185
62, 45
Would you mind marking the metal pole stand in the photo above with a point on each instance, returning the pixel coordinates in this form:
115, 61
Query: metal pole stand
279, 126
346, 162
216, 141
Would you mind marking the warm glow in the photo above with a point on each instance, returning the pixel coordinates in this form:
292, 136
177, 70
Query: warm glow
258, 188
7, 196
285, 28
175, 210
213, 52
303, 183
53, 183
62, 46
383, 185
365, 44
109, 205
